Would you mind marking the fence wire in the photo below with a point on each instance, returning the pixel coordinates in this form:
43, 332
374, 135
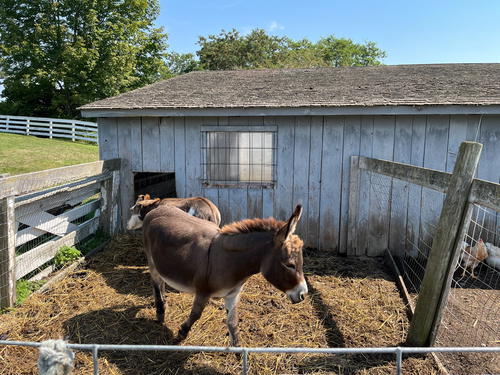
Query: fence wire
472, 312
407, 214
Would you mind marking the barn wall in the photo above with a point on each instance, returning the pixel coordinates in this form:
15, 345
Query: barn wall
317, 150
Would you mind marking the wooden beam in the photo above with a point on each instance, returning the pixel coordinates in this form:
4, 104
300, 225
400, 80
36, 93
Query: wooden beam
7, 253
444, 245
426, 177
486, 194
29, 182
31, 260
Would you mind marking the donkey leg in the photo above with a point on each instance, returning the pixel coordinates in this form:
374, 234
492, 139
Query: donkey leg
199, 303
230, 302
158, 292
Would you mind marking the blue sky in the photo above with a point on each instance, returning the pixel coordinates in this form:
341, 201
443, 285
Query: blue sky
411, 32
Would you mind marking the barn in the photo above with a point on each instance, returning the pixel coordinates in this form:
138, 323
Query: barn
257, 142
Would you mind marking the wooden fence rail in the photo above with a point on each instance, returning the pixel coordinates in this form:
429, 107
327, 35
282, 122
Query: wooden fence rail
42, 211
49, 127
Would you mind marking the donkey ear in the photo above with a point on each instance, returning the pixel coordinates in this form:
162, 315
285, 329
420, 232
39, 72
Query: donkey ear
148, 202
289, 228
146, 197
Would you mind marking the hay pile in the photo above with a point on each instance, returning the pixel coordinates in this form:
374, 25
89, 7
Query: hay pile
352, 302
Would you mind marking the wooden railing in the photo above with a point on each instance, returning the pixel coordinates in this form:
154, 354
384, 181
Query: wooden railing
42, 211
49, 127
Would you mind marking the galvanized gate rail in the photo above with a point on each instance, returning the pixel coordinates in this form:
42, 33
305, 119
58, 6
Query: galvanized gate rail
244, 351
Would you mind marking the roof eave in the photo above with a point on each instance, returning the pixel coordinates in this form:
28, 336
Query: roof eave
295, 111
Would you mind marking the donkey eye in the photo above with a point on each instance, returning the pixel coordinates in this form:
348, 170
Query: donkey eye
291, 266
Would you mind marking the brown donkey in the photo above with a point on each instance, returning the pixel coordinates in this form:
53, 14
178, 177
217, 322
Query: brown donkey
196, 206
195, 256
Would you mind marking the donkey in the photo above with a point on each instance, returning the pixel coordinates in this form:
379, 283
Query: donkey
196, 206
195, 256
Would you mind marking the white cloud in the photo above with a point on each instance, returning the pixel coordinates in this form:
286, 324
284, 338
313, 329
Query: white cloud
275, 26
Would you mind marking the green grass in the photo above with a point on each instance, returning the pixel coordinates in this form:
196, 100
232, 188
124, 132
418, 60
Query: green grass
23, 154
24, 288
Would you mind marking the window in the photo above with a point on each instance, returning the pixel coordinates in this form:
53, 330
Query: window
234, 156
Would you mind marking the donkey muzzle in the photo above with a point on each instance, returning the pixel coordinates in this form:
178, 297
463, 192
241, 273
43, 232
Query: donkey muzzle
298, 294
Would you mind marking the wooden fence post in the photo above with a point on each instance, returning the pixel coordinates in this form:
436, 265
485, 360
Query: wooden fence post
444, 244
109, 199
7, 253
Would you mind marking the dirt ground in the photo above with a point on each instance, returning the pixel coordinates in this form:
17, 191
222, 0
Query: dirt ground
353, 302
471, 318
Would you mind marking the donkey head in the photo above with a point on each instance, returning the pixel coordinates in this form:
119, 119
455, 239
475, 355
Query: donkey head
142, 206
283, 266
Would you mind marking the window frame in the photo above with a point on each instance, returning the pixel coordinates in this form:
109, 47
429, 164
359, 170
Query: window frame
207, 183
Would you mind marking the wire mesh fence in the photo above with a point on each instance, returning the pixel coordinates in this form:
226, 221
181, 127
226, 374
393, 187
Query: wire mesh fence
407, 216
472, 312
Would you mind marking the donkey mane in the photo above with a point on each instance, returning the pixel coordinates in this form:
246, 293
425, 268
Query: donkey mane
252, 225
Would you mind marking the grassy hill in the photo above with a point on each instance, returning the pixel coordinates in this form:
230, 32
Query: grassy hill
23, 154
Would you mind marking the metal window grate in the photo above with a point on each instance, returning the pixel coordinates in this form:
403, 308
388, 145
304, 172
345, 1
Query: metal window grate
234, 158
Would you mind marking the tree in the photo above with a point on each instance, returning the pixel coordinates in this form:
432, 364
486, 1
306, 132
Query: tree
58, 55
182, 63
231, 50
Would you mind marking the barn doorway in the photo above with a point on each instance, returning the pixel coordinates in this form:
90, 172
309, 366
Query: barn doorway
158, 185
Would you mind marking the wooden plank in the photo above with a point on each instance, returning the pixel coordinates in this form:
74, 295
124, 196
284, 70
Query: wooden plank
301, 172
354, 186
267, 203
352, 131
108, 138
426, 177
135, 144
444, 247
167, 145
58, 225
489, 166
180, 157
224, 206
31, 260
70, 194
436, 152
486, 194
457, 134
254, 202
363, 188
379, 217
314, 189
285, 169
193, 156
7, 253
151, 151
126, 176
331, 183
415, 191
237, 204
400, 189
29, 182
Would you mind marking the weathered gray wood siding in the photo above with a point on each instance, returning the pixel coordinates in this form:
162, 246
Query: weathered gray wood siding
313, 166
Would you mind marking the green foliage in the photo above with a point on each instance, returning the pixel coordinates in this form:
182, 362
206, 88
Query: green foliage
58, 55
93, 242
24, 288
181, 63
231, 50
65, 255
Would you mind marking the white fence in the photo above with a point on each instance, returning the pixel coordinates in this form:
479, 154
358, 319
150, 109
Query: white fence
49, 127
42, 211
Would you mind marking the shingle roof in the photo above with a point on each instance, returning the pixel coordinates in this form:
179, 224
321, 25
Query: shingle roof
391, 85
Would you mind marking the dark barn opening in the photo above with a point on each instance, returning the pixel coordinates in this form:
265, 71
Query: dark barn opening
158, 185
